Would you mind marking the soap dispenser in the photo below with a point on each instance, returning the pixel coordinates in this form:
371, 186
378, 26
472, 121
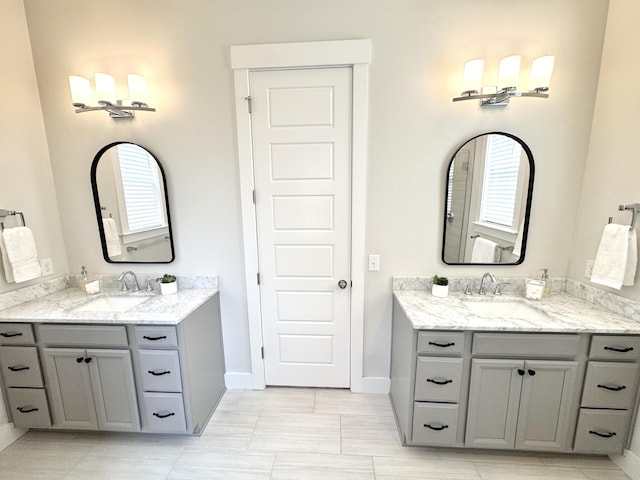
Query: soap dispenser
546, 291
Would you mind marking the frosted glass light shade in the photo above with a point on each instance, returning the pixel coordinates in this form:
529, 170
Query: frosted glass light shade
472, 75
105, 88
137, 88
541, 70
509, 72
80, 91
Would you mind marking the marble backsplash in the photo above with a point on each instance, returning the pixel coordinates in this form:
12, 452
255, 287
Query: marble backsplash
610, 301
108, 283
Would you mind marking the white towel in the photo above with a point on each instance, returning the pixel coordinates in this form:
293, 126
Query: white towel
111, 237
6, 264
484, 251
21, 252
517, 247
616, 259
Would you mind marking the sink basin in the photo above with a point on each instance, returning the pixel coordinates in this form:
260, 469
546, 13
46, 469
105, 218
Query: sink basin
110, 304
506, 310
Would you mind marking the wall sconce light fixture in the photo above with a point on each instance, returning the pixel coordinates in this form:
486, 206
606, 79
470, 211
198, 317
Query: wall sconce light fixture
105, 94
508, 75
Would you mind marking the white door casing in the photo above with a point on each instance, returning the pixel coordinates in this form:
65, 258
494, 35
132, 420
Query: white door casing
244, 60
301, 128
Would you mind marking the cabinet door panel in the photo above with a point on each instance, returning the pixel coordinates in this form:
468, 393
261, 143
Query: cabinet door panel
494, 396
114, 390
70, 388
545, 405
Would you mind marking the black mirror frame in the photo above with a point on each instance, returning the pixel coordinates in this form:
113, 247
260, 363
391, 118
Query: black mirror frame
96, 202
527, 211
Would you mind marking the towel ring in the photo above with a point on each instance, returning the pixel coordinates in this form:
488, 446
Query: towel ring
8, 213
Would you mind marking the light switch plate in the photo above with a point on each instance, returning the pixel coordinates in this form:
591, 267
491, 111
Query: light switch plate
46, 264
374, 263
588, 269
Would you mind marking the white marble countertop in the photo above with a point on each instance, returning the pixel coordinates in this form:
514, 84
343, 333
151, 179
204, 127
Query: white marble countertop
60, 307
564, 313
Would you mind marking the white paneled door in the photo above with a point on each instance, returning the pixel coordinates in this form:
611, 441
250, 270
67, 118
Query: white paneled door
301, 129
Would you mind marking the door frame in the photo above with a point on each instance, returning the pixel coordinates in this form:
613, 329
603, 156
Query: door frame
355, 54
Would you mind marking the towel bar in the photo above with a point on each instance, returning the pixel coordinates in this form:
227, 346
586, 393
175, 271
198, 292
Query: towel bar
634, 207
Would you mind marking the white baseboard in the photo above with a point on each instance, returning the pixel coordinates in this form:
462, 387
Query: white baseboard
629, 463
9, 434
375, 385
242, 381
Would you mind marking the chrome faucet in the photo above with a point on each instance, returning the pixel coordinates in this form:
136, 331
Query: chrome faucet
493, 279
123, 279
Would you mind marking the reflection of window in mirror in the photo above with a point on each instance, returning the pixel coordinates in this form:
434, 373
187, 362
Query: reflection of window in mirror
139, 191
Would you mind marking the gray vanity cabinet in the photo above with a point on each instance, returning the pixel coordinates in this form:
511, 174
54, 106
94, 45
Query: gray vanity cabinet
521, 404
91, 389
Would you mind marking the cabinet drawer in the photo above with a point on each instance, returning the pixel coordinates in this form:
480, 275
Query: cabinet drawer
525, 344
164, 412
83, 335
29, 407
435, 424
20, 367
438, 379
156, 336
601, 431
441, 343
160, 370
611, 347
610, 385
16, 334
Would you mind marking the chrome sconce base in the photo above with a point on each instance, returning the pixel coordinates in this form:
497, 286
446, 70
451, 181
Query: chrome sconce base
117, 110
500, 98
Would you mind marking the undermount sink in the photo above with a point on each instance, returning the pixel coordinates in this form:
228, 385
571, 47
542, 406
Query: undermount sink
111, 304
506, 309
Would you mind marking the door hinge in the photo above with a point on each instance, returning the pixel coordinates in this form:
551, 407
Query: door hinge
248, 99
254, 197
258, 277
262, 352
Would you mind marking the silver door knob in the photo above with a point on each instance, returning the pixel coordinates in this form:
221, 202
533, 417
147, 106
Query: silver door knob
342, 284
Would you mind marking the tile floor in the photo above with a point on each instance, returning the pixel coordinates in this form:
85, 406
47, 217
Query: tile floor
282, 433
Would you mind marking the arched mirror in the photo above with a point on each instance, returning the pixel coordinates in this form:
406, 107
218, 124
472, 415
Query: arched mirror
488, 200
132, 206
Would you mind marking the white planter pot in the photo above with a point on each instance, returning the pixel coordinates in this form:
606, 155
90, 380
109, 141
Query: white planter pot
169, 288
441, 291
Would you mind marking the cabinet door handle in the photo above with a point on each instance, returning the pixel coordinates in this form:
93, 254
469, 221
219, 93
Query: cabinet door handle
19, 368
603, 435
146, 337
619, 349
27, 409
87, 360
436, 428
79, 359
531, 372
11, 334
521, 372
159, 415
613, 389
439, 382
443, 345
157, 374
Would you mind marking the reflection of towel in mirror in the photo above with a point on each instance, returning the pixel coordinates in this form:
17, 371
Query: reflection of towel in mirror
111, 237
616, 259
484, 251
517, 247
21, 254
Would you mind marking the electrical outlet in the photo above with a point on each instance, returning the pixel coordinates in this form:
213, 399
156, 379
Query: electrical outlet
588, 269
46, 264
374, 263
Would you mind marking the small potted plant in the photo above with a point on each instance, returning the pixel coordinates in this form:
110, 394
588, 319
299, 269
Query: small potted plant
168, 284
440, 286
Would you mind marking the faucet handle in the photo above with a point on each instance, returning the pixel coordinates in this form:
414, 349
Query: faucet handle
498, 290
123, 286
467, 291
149, 286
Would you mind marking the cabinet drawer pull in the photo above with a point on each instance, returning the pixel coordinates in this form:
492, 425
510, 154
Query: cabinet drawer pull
613, 389
603, 435
27, 409
437, 428
159, 415
618, 349
18, 368
11, 334
157, 374
443, 345
439, 382
147, 337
